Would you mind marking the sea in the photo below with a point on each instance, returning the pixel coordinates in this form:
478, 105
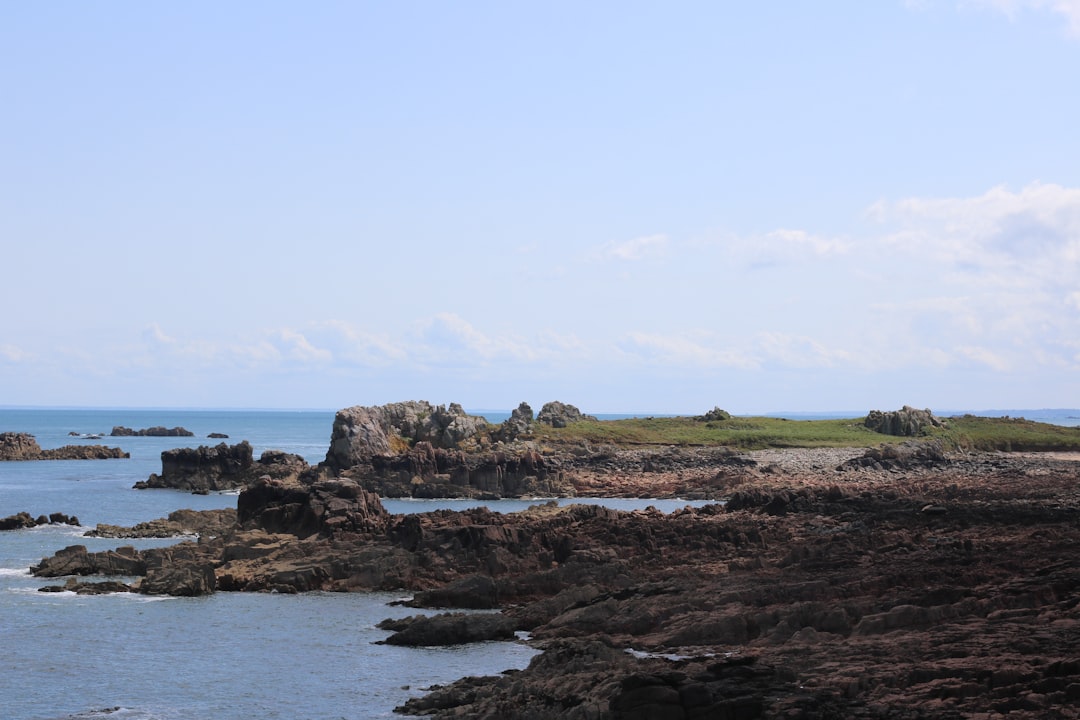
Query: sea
228, 656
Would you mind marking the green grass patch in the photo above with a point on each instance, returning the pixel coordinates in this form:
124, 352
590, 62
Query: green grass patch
969, 432
756, 433
747, 433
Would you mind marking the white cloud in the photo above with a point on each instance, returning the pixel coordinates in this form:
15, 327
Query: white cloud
701, 350
984, 356
13, 353
636, 249
1068, 9
796, 240
779, 248
296, 346
1024, 240
449, 338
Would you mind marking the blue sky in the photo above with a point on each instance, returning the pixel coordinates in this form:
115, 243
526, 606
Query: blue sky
628, 206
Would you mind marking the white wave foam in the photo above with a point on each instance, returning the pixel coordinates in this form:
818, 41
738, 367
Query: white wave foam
15, 572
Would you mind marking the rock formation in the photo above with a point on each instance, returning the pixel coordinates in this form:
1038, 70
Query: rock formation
221, 467
23, 446
905, 422
203, 523
559, 415
23, 520
715, 415
519, 423
360, 433
448, 629
156, 431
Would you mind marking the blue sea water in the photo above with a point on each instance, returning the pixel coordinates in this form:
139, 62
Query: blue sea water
229, 656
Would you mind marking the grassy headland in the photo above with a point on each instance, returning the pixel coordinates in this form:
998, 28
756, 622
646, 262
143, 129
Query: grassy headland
754, 433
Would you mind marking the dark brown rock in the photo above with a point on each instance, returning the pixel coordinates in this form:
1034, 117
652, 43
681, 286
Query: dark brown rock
221, 467
448, 629
23, 446
156, 431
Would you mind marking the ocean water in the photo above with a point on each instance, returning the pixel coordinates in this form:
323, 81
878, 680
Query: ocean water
229, 656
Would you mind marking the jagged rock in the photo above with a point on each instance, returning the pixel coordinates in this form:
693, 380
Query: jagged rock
519, 423
18, 521
23, 446
448, 629
180, 522
103, 587
559, 415
221, 467
908, 455
23, 520
324, 508
906, 422
75, 560
429, 472
476, 592
360, 433
156, 431
184, 581
218, 436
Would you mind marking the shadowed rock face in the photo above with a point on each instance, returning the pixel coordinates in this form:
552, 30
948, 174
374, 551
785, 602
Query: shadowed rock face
221, 467
324, 508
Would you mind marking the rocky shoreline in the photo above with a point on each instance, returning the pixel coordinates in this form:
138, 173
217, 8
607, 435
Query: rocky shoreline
905, 583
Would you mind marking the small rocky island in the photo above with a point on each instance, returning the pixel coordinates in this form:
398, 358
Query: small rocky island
910, 578
24, 446
156, 431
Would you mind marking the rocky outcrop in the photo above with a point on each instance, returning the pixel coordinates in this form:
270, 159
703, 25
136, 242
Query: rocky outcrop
519, 423
425, 471
448, 629
905, 422
715, 415
82, 587
559, 415
361, 433
156, 431
221, 467
24, 520
203, 523
76, 560
23, 446
909, 455
324, 508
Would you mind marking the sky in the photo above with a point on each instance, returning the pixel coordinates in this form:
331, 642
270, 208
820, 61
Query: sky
627, 206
